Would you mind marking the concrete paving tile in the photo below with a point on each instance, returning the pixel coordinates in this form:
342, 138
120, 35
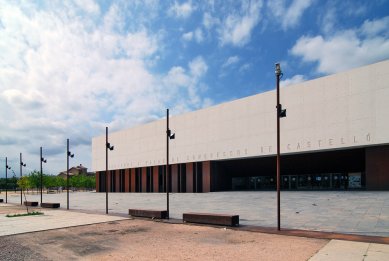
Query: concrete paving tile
341, 250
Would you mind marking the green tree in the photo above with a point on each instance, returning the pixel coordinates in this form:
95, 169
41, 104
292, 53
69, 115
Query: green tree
24, 183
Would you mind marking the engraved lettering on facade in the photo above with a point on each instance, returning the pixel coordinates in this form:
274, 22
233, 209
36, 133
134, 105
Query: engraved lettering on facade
298, 146
355, 139
319, 143
342, 141
330, 142
238, 152
368, 137
308, 144
288, 146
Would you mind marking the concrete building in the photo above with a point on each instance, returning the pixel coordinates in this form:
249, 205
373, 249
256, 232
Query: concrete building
335, 136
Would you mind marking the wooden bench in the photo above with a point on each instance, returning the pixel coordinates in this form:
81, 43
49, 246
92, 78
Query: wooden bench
31, 203
160, 214
213, 219
50, 205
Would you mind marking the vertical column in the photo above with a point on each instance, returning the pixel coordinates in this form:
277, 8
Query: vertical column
109, 180
144, 179
155, 179
97, 181
132, 176
189, 177
206, 176
117, 180
175, 178
127, 180
377, 167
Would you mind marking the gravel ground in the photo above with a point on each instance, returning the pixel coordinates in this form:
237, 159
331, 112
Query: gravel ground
149, 240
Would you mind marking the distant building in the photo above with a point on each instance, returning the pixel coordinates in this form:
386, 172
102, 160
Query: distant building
76, 171
335, 136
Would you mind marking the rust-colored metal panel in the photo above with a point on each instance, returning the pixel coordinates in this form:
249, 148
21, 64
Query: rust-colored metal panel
132, 175
189, 177
97, 181
155, 179
117, 180
377, 167
206, 176
144, 179
127, 180
174, 178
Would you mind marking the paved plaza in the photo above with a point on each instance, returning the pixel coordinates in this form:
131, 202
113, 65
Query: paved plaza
354, 212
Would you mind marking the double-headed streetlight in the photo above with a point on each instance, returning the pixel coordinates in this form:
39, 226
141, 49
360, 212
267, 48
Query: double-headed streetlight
42, 161
6, 179
21, 175
169, 136
107, 147
280, 114
68, 154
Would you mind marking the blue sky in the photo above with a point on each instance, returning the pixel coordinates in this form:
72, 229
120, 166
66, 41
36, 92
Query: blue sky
70, 68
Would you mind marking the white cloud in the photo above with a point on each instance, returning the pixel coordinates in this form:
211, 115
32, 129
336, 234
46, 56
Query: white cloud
236, 29
374, 27
198, 66
197, 35
64, 75
289, 16
187, 36
294, 80
89, 6
231, 60
183, 10
209, 21
345, 49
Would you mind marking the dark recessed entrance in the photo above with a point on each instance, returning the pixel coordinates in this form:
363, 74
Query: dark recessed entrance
342, 169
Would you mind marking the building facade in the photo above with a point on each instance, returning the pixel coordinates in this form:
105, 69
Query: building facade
335, 136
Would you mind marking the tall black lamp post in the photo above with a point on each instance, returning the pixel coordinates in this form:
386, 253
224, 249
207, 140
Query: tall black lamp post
280, 114
107, 147
68, 154
42, 161
6, 179
21, 175
169, 136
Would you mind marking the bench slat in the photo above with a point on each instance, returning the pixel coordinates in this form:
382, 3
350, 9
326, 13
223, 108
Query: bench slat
50, 205
31, 203
160, 214
213, 219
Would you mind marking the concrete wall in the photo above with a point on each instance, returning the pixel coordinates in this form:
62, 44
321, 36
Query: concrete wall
349, 109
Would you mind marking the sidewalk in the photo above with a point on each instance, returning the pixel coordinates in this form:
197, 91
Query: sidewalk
56, 218
352, 251
52, 219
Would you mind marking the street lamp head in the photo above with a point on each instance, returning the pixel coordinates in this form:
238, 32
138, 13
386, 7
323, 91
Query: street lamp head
43, 160
170, 135
109, 146
70, 154
7, 167
278, 69
22, 164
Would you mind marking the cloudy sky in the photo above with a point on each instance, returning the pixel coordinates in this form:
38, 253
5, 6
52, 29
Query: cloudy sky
70, 68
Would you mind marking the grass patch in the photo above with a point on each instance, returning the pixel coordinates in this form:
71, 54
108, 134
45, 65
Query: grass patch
34, 213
